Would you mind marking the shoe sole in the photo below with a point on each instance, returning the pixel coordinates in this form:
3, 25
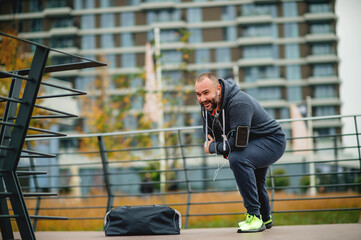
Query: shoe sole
269, 225
262, 228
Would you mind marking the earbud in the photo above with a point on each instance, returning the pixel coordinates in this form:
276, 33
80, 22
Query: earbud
219, 92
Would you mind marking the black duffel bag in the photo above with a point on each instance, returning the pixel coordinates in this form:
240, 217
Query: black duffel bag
142, 220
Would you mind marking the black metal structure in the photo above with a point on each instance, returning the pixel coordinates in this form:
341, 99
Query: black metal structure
14, 125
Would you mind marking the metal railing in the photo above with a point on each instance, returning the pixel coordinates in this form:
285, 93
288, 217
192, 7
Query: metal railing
111, 166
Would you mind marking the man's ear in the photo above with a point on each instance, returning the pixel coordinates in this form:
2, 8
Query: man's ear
219, 88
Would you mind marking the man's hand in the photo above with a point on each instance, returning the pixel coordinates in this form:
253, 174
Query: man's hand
206, 147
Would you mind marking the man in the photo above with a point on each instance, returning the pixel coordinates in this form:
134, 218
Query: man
240, 129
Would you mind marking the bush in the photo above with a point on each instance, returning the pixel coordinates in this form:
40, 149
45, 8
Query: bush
279, 181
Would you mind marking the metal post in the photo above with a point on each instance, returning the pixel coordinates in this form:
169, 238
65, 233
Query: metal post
105, 163
189, 190
357, 140
17, 141
36, 185
272, 188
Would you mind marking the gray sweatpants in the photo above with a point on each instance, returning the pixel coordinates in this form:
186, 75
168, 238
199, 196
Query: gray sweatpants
250, 167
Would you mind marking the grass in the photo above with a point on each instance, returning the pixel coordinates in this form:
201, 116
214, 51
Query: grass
95, 208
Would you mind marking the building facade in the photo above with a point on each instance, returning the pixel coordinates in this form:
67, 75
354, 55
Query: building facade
279, 51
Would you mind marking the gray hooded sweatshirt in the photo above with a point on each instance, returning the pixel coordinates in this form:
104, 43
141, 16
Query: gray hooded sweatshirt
237, 109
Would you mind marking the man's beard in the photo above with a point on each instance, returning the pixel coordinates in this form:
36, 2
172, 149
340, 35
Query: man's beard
213, 102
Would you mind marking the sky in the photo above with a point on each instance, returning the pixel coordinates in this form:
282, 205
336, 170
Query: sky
348, 30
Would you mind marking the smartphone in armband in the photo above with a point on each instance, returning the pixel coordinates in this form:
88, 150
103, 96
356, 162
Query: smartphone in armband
242, 134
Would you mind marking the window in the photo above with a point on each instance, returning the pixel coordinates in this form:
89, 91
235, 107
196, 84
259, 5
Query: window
225, 73
106, 3
165, 15
63, 22
319, 7
324, 91
111, 61
133, 2
169, 35
230, 34
259, 10
323, 70
36, 6
260, 30
107, 20
127, 39
87, 22
172, 77
261, 51
292, 51
324, 111
293, 72
36, 25
290, 9
321, 49
269, 93
130, 122
202, 56
127, 19
84, 4
285, 113
223, 55
252, 91
325, 131
174, 120
84, 82
252, 74
320, 28
88, 42
107, 41
128, 60
294, 93
290, 30
195, 35
56, 3
194, 15
228, 13
136, 102
62, 42
171, 56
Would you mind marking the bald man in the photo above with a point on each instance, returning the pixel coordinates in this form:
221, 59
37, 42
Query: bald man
239, 128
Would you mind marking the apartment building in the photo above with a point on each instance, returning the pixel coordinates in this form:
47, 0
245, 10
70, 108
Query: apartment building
279, 51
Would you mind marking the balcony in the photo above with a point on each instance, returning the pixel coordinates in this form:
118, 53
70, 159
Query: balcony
245, 62
157, 5
61, 31
255, 40
321, 16
317, 37
57, 11
322, 58
254, 19
313, 80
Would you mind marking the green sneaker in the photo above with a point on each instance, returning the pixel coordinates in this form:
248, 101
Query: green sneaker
268, 223
252, 224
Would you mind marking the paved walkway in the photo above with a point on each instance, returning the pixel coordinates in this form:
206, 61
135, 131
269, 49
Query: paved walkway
299, 232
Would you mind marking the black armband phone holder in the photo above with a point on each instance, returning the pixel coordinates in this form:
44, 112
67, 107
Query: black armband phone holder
242, 134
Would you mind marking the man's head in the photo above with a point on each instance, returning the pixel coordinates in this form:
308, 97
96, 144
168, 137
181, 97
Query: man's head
208, 91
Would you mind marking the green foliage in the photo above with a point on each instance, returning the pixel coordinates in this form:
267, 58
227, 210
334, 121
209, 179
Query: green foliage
305, 183
279, 181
